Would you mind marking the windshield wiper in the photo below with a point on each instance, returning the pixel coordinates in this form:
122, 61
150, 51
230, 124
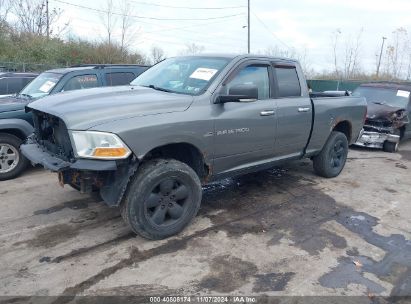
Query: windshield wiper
152, 86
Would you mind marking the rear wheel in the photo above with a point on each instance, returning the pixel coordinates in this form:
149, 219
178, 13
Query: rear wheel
331, 160
12, 162
163, 198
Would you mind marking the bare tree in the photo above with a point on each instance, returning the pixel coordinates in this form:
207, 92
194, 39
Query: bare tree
109, 20
304, 59
5, 7
157, 54
334, 44
127, 25
32, 17
398, 53
192, 49
302, 56
352, 56
409, 66
276, 51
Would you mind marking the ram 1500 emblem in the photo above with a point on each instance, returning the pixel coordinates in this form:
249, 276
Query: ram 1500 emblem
232, 131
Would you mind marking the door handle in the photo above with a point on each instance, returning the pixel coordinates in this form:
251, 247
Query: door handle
267, 112
303, 109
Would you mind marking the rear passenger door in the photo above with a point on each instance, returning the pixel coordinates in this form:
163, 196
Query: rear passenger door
294, 112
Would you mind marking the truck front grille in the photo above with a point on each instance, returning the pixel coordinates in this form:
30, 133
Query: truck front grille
52, 134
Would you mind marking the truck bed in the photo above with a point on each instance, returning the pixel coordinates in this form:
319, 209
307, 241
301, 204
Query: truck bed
325, 111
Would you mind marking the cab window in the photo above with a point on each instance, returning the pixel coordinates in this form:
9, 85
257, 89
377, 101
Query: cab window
288, 82
257, 75
119, 78
81, 82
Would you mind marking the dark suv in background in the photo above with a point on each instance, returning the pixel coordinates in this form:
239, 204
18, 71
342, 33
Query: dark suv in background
80, 77
12, 83
16, 124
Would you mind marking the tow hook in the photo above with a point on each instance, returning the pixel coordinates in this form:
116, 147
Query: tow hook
61, 179
86, 184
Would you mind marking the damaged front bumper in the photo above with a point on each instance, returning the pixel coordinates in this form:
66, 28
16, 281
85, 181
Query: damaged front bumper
39, 155
373, 139
109, 177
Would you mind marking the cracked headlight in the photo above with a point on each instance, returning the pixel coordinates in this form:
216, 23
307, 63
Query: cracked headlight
99, 145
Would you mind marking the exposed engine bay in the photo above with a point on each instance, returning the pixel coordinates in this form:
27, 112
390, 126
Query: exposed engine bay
387, 116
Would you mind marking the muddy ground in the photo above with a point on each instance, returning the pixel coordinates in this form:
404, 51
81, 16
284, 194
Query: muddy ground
279, 232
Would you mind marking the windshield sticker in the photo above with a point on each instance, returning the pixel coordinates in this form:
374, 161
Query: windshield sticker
203, 74
46, 87
401, 93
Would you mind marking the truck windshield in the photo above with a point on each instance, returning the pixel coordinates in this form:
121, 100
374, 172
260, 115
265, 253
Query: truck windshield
185, 75
41, 85
391, 97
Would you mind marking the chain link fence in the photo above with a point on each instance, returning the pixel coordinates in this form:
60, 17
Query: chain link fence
10, 66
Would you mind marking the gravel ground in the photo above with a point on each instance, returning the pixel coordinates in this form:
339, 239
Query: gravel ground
279, 232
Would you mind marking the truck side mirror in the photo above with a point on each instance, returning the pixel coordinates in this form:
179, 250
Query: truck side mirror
240, 93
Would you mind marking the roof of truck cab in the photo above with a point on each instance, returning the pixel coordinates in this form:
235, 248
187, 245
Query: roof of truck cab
241, 56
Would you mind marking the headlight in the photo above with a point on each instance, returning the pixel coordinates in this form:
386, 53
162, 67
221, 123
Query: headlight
99, 145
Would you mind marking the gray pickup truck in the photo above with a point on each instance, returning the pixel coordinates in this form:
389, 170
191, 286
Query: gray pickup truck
149, 147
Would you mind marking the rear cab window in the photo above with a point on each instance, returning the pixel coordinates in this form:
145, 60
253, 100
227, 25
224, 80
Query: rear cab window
287, 81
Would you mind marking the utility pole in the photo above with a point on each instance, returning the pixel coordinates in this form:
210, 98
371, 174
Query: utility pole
248, 27
47, 19
379, 60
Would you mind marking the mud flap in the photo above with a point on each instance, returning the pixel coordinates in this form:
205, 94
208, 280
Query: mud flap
113, 191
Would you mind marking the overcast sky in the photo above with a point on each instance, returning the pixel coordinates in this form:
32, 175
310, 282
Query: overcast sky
299, 24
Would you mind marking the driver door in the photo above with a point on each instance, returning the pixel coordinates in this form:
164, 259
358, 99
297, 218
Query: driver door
244, 132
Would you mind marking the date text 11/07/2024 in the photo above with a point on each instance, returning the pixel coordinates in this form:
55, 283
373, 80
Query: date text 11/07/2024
204, 299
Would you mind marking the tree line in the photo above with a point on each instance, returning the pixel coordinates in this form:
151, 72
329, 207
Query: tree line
25, 39
32, 39
29, 36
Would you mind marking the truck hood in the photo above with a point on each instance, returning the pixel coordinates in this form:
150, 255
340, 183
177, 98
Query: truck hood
84, 109
9, 104
381, 111
386, 115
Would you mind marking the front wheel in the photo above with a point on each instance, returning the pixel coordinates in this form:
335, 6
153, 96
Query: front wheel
12, 162
331, 160
163, 198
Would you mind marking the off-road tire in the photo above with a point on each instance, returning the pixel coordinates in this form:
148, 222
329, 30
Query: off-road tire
390, 146
146, 184
331, 160
22, 163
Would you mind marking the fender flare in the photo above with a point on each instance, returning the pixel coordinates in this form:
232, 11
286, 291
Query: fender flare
16, 124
